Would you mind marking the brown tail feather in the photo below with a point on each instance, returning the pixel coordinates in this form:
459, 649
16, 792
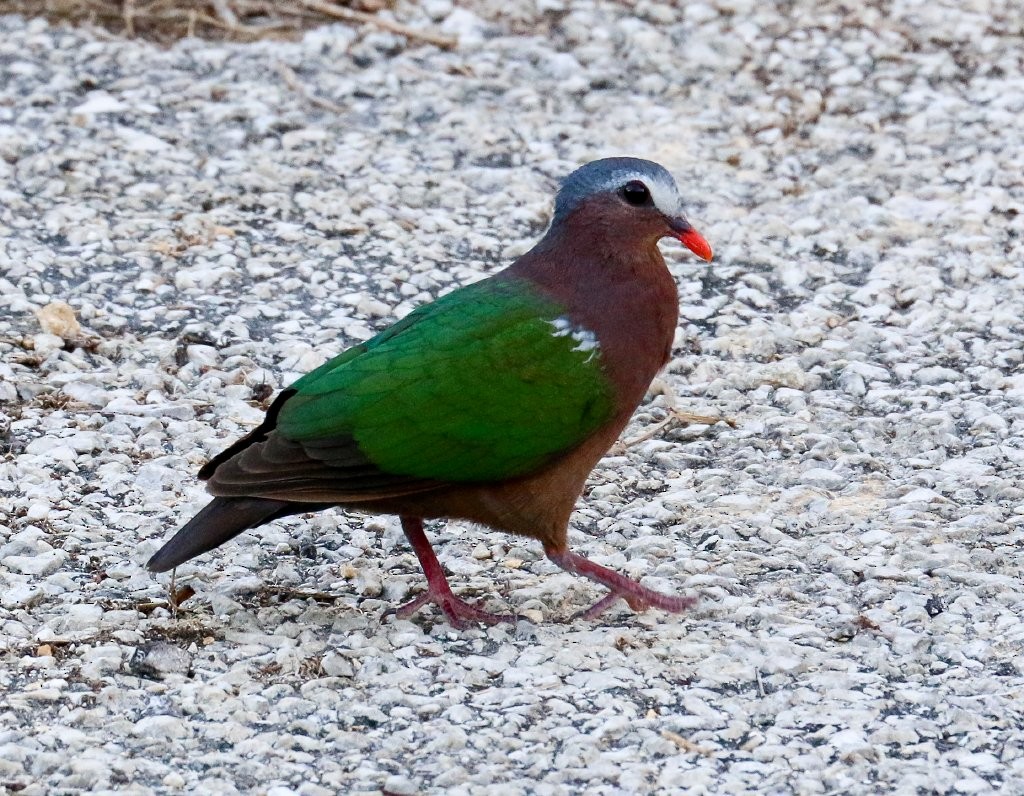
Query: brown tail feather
221, 519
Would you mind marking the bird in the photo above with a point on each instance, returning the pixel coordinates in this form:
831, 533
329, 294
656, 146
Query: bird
491, 404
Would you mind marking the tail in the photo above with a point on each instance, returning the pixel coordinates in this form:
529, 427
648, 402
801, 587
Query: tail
221, 519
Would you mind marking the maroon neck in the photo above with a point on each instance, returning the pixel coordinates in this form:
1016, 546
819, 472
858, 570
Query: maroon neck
614, 282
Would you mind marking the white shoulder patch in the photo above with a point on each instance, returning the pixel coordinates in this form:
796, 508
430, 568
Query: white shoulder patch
586, 340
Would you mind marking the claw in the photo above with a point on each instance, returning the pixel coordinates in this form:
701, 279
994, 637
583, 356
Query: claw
459, 613
638, 597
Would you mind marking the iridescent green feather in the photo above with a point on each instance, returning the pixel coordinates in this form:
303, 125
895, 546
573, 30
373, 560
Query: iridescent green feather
476, 386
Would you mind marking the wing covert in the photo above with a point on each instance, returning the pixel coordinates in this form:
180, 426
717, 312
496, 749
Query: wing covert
483, 384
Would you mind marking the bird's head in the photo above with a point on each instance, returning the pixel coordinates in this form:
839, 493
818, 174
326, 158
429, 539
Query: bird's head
628, 197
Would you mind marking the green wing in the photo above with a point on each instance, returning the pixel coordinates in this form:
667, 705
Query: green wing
484, 384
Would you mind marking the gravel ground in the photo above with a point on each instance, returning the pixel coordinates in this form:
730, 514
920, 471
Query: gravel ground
221, 218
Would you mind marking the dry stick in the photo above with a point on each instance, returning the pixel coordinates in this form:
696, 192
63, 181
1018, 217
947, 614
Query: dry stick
158, 13
225, 13
171, 598
684, 744
292, 81
128, 14
230, 20
239, 29
349, 15
674, 417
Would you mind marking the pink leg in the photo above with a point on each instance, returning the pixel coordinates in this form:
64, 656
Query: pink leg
639, 598
459, 613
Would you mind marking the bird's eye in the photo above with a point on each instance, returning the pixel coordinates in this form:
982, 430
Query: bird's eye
636, 193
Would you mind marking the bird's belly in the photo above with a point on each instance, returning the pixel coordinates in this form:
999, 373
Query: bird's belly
537, 505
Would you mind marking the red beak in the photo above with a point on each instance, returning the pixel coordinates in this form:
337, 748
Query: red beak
690, 238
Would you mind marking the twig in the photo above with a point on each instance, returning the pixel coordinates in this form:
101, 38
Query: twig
128, 14
675, 416
243, 30
288, 593
350, 15
172, 596
225, 12
293, 82
685, 744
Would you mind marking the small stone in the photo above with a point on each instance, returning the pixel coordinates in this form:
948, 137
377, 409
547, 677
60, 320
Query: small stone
823, 479
161, 726
45, 344
158, 659
400, 785
347, 571
20, 595
85, 442
58, 319
39, 564
937, 375
98, 102
921, 495
436, 9
203, 356
335, 665
38, 511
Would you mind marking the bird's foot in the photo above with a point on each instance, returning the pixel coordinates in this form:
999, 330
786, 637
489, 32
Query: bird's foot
459, 613
638, 597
